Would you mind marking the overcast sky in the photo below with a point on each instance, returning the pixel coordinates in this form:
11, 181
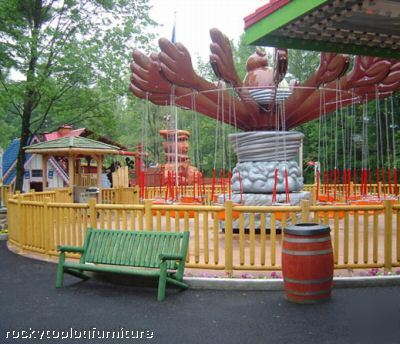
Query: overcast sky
194, 19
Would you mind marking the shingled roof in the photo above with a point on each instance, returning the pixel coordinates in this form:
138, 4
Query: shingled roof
72, 144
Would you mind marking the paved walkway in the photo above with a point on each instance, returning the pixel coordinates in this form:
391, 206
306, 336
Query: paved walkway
29, 302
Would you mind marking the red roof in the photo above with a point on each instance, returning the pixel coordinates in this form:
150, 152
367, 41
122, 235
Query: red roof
263, 12
57, 134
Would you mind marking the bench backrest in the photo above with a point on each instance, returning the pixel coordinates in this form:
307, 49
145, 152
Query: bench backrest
133, 248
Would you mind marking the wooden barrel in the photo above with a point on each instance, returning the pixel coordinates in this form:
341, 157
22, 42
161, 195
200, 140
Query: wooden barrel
307, 263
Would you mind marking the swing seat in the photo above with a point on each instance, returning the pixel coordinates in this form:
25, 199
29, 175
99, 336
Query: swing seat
221, 214
181, 213
280, 215
326, 198
354, 198
331, 214
158, 201
367, 202
190, 199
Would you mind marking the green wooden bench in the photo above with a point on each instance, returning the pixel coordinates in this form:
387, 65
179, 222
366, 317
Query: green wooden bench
160, 254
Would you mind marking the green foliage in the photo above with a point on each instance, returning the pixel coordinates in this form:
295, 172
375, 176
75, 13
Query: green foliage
72, 61
302, 63
331, 138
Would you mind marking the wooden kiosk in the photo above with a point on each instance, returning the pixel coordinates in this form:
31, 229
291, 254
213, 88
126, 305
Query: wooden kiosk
73, 148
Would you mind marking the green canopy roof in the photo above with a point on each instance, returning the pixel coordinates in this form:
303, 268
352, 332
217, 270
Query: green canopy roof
359, 27
72, 144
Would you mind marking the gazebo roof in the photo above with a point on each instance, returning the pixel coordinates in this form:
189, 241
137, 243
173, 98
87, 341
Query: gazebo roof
78, 145
359, 27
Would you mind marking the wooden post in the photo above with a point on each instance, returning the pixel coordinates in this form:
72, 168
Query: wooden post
136, 192
45, 158
228, 238
57, 197
71, 170
148, 215
46, 226
388, 212
92, 213
118, 195
314, 195
305, 211
20, 232
99, 160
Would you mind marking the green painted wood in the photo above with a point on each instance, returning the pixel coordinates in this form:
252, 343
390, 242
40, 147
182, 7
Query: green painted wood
136, 244
266, 33
151, 251
85, 245
159, 248
110, 268
142, 246
121, 251
116, 250
110, 247
145, 247
279, 18
120, 256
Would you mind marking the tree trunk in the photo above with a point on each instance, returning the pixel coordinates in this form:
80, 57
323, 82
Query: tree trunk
25, 132
30, 94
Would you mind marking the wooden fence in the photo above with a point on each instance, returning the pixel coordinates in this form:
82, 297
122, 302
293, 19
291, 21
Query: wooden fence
223, 237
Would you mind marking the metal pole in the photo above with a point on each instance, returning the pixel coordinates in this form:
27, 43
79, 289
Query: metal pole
176, 147
301, 157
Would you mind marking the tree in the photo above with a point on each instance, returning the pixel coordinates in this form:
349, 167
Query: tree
301, 64
72, 56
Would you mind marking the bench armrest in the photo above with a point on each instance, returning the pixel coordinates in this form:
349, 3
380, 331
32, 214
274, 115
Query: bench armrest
166, 256
76, 249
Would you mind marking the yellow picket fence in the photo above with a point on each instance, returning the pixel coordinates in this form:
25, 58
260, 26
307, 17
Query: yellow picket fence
223, 237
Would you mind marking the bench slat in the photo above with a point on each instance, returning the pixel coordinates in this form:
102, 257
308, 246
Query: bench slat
128, 252
118, 247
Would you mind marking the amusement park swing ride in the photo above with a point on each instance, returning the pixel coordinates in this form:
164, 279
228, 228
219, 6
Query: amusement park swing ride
264, 108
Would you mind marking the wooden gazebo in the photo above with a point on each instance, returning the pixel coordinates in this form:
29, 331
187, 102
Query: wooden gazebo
73, 148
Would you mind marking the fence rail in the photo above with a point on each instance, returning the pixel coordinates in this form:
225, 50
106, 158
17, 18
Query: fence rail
223, 237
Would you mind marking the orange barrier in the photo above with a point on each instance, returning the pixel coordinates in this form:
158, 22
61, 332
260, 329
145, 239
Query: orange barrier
331, 214
326, 198
158, 201
371, 201
181, 213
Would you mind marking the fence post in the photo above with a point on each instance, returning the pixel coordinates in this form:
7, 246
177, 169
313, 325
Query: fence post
46, 223
57, 196
92, 213
148, 215
314, 195
19, 219
305, 210
228, 238
388, 234
136, 199
118, 195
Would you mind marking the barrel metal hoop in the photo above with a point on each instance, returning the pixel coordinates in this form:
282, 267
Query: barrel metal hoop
308, 293
315, 281
306, 253
306, 241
